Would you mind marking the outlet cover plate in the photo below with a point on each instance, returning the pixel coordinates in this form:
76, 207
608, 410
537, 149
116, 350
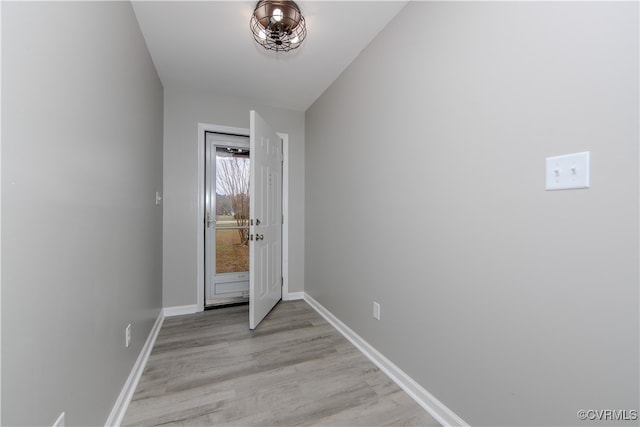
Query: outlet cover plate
60, 421
127, 335
376, 310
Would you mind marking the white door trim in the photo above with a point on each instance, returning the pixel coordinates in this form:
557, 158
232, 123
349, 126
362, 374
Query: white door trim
285, 213
202, 128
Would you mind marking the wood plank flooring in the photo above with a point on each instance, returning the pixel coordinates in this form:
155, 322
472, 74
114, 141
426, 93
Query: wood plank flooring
295, 369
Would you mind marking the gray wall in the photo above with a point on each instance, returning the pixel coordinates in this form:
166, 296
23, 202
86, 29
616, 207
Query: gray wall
82, 237
425, 192
184, 109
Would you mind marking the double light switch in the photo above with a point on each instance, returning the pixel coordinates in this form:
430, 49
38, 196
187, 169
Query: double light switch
568, 172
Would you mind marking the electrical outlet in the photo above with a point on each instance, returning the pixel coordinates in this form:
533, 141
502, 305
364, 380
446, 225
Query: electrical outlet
376, 310
60, 421
127, 335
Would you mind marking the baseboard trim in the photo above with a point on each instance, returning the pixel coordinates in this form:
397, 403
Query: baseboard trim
433, 406
180, 310
292, 296
122, 403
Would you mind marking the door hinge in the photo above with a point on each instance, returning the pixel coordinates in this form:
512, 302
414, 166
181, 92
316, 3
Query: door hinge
282, 219
282, 282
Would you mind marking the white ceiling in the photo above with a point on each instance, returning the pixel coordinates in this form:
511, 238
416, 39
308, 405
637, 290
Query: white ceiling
208, 45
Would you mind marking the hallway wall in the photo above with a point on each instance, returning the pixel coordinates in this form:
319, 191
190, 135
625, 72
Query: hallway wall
184, 109
81, 234
425, 192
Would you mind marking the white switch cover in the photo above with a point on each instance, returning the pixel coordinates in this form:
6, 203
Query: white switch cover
158, 198
568, 172
376, 310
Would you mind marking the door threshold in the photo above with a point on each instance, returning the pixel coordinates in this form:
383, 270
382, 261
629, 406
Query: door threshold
226, 304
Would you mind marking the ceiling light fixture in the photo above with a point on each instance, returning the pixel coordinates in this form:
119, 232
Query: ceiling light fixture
278, 25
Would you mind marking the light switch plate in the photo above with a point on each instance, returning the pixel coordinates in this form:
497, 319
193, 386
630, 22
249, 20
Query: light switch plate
568, 172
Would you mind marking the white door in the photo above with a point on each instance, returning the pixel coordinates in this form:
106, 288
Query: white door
265, 278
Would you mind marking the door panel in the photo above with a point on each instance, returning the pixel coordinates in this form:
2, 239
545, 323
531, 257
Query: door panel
265, 279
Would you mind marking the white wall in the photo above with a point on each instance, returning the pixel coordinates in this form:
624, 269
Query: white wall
184, 109
425, 192
82, 237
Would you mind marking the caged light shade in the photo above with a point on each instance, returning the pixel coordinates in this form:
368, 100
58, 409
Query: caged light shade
278, 25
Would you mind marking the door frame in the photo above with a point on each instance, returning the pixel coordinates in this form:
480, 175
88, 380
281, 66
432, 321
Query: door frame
213, 278
200, 217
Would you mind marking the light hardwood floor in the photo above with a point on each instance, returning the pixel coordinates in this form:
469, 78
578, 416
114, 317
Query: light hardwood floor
294, 369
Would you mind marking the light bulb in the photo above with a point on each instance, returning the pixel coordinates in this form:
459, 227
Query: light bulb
295, 40
262, 35
277, 15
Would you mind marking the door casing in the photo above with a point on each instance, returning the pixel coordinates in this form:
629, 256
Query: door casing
200, 217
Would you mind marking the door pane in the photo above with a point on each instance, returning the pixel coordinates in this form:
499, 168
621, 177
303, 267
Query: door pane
232, 250
232, 187
232, 210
